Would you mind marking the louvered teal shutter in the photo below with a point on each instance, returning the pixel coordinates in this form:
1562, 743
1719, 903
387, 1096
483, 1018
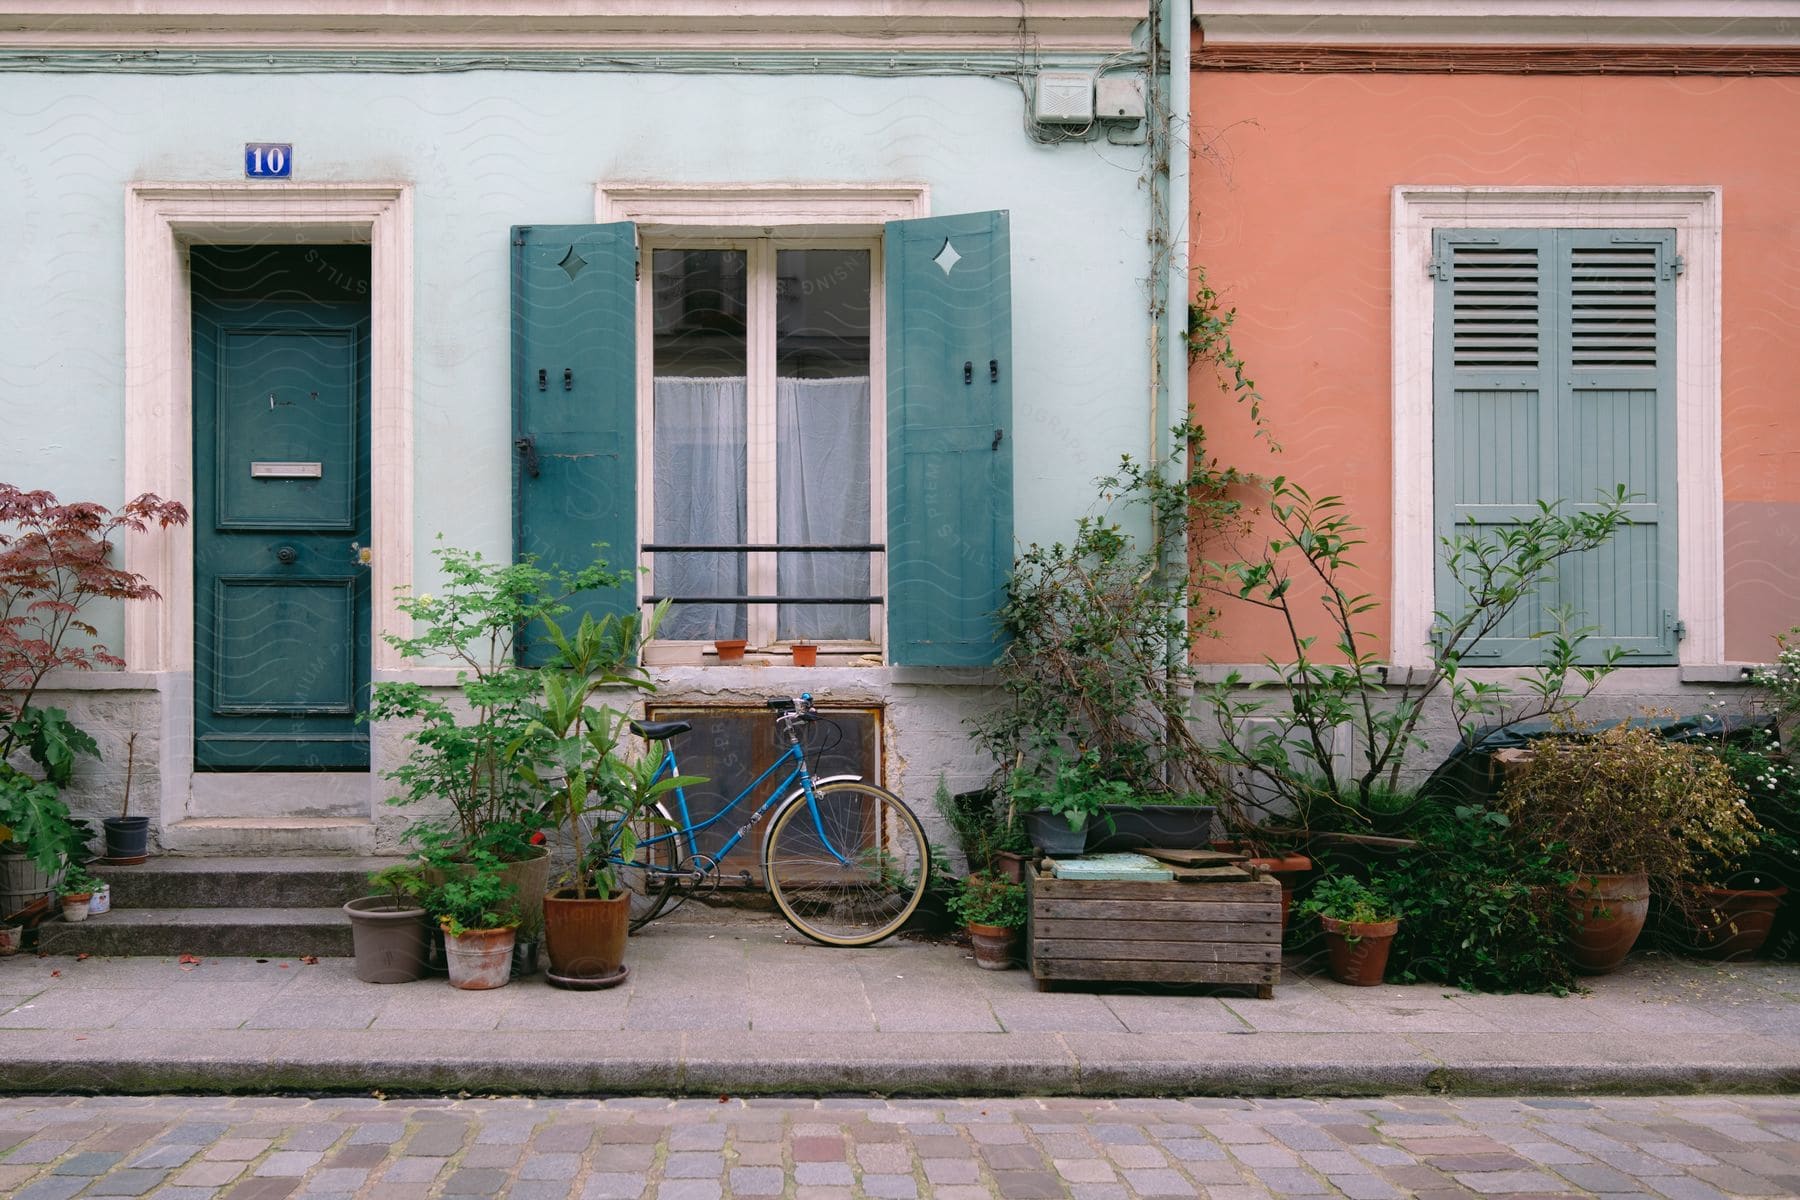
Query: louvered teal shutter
949, 349
1616, 297
1553, 379
574, 339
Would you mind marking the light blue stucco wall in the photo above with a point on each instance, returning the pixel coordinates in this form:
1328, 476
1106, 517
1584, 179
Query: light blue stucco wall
488, 150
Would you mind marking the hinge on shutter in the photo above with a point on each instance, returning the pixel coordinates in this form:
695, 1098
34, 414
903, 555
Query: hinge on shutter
519, 232
1674, 267
637, 266
1438, 268
1674, 626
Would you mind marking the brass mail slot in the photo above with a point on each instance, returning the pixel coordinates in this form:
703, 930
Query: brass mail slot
286, 470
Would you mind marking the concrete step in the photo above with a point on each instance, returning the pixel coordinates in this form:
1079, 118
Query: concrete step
170, 881
228, 836
207, 932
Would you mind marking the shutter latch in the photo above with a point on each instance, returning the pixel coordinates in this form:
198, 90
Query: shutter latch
527, 447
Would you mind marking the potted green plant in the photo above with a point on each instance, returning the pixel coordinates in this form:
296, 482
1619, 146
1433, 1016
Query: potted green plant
478, 912
1064, 798
987, 828
127, 837
992, 909
1360, 921
1732, 903
570, 753
387, 930
488, 620
76, 889
55, 559
1624, 809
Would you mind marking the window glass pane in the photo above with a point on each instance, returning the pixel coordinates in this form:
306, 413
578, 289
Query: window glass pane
822, 335
700, 351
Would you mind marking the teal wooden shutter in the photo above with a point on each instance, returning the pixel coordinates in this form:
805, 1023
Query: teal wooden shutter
574, 344
1553, 379
1616, 423
949, 348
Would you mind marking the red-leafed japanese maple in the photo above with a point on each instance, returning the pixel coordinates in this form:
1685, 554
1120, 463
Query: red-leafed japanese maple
55, 558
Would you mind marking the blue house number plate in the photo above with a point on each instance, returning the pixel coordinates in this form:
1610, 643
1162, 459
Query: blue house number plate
268, 160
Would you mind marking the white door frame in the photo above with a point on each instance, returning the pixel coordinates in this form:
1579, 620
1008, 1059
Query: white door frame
161, 221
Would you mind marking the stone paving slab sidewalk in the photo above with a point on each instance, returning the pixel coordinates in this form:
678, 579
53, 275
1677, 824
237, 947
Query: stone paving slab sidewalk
730, 1004
165, 1148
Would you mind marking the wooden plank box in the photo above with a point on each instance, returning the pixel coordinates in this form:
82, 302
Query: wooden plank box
1187, 931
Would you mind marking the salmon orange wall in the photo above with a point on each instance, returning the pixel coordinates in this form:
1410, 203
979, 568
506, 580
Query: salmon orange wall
1292, 179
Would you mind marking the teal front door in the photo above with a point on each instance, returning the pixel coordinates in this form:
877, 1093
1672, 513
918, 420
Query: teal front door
281, 507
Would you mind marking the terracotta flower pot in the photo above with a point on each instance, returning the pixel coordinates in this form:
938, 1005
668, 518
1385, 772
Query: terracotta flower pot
1009, 865
1733, 923
586, 939
1609, 913
730, 649
994, 946
805, 654
479, 959
1288, 870
1357, 950
75, 906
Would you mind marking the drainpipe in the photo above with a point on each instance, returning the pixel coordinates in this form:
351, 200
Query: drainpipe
1179, 35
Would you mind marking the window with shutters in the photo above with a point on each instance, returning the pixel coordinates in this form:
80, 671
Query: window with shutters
762, 420
1554, 380
794, 434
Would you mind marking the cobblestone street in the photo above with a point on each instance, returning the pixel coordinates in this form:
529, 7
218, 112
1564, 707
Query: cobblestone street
57, 1148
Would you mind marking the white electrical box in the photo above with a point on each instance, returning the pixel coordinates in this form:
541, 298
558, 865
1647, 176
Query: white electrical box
1119, 98
1064, 98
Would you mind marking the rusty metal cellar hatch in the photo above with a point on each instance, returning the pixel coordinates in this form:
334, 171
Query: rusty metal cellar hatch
730, 746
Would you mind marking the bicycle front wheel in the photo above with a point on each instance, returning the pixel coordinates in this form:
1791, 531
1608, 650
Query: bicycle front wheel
850, 870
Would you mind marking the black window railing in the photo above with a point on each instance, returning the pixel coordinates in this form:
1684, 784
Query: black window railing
764, 548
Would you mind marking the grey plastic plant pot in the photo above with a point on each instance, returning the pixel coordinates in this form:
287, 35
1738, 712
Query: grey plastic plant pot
391, 943
1050, 833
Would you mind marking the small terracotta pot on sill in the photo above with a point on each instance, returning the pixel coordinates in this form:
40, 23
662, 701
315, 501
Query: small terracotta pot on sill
730, 649
805, 654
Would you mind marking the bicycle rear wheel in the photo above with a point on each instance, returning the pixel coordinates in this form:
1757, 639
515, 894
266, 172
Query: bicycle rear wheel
649, 877
864, 891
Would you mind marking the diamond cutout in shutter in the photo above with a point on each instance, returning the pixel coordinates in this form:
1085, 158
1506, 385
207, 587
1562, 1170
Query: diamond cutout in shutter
572, 263
947, 257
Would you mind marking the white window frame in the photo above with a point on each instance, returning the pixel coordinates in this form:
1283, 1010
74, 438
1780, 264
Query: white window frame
763, 218
1695, 213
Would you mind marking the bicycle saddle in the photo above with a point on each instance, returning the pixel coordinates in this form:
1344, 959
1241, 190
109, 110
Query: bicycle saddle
656, 731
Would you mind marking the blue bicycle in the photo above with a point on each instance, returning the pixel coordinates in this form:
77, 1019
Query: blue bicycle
845, 861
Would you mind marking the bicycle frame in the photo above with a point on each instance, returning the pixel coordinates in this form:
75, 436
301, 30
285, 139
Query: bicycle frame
783, 792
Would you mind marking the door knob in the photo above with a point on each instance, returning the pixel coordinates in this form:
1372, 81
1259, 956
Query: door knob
286, 555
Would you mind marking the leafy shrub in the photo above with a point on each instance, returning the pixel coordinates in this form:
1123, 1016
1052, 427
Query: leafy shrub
475, 899
1624, 800
990, 900
1479, 910
1347, 898
1075, 789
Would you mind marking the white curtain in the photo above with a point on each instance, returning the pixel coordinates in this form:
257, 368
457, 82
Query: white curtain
822, 495
700, 490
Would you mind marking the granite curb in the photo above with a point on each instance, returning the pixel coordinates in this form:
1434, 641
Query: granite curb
934, 1065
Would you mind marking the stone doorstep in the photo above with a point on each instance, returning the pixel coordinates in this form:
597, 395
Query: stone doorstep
179, 881
209, 932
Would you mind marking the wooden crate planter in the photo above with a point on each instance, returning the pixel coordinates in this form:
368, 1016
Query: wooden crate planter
1188, 931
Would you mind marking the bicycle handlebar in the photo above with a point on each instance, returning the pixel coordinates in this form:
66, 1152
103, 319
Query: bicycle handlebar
796, 708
